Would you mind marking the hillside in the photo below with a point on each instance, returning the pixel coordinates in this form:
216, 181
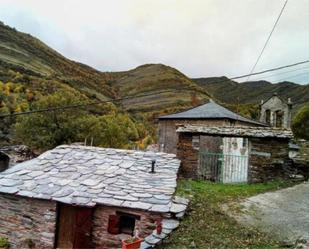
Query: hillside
27, 61
253, 92
152, 89
27, 58
164, 89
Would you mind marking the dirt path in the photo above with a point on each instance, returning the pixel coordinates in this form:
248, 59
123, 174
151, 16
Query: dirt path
283, 213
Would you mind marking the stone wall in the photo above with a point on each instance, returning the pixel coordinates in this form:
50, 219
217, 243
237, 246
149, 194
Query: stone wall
24, 218
104, 240
168, 137
188, 155
267, 158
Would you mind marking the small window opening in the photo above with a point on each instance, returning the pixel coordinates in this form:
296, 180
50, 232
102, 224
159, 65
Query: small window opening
279, 118
127, 224
196, 142
267, 116
122, 223
244, 142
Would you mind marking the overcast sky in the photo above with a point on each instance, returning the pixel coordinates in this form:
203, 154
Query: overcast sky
201, 38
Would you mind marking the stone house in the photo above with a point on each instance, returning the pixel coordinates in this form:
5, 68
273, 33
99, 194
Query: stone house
233, 154
209, 114
87, 197
276, 112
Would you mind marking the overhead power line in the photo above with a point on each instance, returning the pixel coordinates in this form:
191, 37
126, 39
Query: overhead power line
77, 105
270, 70
277, 74
268, 38
73, 106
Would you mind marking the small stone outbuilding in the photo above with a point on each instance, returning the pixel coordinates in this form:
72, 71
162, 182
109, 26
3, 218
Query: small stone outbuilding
233, 154
276, 112
87, 197
209, 114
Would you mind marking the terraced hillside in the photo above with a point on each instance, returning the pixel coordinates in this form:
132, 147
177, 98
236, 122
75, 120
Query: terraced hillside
162, 88
26, 60
23, 55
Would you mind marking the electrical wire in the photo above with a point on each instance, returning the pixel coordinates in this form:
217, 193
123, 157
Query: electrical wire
143, 95
268, 38
276, 74
73, 106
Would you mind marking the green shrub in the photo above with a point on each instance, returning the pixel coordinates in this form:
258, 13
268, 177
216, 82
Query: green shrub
4, 242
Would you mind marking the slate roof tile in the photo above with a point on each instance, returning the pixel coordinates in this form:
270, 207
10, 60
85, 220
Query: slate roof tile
210, 110
87, 176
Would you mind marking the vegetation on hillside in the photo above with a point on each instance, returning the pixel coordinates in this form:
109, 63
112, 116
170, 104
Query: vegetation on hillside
30, 71
300, 124
156, 88
24, 53
207, 226
231, 92
45, 130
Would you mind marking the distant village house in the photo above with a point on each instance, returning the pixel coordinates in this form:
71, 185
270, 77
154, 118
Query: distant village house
233, 154
209, 114
276, 112
214, 143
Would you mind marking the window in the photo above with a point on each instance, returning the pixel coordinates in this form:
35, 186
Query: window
122, 223
279, 118
267, 116
127, 224
244, 142
196, 142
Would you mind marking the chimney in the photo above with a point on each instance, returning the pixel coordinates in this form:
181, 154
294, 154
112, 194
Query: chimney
153, 164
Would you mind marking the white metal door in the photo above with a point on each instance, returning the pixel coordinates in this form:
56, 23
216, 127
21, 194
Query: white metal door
235, 160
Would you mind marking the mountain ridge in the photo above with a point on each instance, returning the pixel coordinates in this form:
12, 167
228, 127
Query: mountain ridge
27, 60
252, 92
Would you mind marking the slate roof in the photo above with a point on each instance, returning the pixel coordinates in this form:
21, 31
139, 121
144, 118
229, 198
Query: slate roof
210, 110
238, 131
88, 176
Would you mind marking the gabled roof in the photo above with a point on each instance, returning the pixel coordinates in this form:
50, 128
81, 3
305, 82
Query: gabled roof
210, 110
275, 95
87, 176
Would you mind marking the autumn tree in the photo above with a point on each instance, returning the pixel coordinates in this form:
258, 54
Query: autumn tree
45, 130
300, 124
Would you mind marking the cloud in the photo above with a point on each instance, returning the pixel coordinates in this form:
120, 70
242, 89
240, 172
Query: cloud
199, 37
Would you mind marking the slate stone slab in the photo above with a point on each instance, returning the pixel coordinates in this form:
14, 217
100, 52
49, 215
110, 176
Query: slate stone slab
160, 236
178, 208
145, 245
180, 200
9, 182
180, 215
136, 204
160, 208
152, 240
170, 224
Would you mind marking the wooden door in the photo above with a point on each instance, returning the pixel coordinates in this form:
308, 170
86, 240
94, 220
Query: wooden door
74, 227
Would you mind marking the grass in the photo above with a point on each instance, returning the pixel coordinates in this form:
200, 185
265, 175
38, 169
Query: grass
206, 226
